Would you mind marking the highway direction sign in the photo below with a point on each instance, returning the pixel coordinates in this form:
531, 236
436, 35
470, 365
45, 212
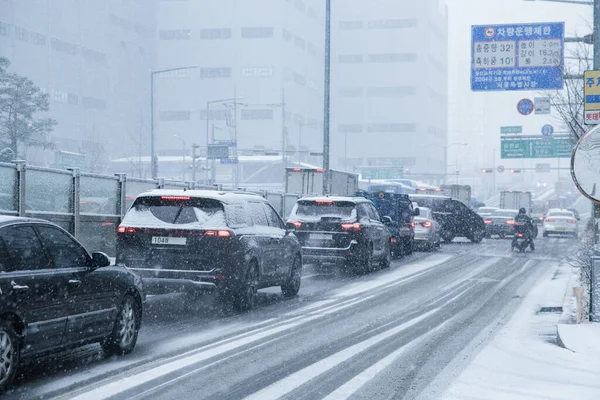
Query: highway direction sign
535, 147
511, 129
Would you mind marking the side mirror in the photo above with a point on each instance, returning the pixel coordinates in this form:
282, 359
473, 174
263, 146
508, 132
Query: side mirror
290, 227
387, 220
100, 259
417, 212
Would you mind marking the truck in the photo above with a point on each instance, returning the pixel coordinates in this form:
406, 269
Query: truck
309, 181
461, 193
514, 200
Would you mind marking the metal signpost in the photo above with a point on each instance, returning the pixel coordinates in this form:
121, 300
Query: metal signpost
517, 56
536, 147
542, 105
511, 129
591, 97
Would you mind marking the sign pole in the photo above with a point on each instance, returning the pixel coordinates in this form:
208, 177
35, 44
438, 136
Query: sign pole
596, 34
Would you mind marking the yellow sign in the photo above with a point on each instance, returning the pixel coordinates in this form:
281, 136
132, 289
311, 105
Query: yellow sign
591, 97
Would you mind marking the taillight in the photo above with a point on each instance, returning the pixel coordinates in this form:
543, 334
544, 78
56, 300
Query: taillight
572, 221
107, 223
355, 226
519, 235
174, 197
511, 222
487, 221
220, 233
325, 201
124, 229
393, 240
426, 224
297, 224
412, 224
549, 220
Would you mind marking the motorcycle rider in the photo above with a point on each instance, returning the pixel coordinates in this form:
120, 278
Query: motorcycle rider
524, 225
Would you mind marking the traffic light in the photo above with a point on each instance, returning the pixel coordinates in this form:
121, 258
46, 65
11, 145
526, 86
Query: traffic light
515, 171
487, 170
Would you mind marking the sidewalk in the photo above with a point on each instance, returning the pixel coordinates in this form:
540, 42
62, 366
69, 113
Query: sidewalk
525, 361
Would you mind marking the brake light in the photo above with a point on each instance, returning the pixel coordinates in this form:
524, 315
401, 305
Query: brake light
393, 240
355, 226
124, 229
220, 233
572, 221
320, 170
549, 220
321, 202
412, 224
174, 197
438, 189
108, 223
487, 221
297, 224
511, 222
422, 189
426, 224
297, 170
519, 235
541, 218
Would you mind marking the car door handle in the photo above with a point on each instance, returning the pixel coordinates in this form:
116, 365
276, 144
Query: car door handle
74, 282
18, 287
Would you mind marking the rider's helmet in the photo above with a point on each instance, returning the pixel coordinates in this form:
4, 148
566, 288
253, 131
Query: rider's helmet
522, 211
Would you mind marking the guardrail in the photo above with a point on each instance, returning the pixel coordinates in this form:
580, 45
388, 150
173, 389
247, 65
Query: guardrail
89, 206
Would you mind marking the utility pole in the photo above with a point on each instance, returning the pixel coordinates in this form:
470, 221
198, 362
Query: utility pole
235, 139
327, 93
283, 159
596, 36
494, 173
194, 147
213, 162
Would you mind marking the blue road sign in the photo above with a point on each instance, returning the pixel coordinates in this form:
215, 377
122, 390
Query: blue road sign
547, 130
517, 56
525, 106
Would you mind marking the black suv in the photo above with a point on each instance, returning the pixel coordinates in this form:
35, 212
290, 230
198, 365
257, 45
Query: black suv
455, 219
397, 213
209, 241
54, 295
341, 230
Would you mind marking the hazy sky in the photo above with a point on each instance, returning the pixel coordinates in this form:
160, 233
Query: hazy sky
476, 117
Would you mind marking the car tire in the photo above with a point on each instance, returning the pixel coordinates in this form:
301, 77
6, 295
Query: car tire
396, 251
365, 263
477, 236
10, 356
126, 326
387, 259
292, 286
245, 298
409, 247
447, 237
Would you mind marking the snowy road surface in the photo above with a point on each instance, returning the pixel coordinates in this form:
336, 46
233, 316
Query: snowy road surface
390, 334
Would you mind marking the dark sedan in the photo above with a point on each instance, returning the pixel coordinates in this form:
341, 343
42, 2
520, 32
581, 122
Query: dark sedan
501, 223
54, 295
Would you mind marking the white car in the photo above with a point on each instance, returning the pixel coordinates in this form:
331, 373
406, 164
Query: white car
559, 221
427, 230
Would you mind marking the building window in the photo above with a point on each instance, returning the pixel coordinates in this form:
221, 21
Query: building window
350, 25
215, 115
38, 39
59, 96
396, 128
257, 114
4, 29
64, 47
391, 91
93, 103
299, 42
350, 91
392, 23
287, 35
72, 99
21, 34
174, 34
257, 33
218, 33
350, 128
179, 115
257, 72
219, 72
350, 58
392, 57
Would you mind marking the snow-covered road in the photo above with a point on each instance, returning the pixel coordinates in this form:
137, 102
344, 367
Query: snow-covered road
390, 334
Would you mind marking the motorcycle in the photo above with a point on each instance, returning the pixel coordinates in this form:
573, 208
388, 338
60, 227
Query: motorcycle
522, 239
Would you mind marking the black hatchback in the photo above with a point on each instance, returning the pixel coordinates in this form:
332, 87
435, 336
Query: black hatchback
342, 230
54, 295
196, 242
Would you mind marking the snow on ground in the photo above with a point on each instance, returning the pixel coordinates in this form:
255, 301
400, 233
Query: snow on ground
583, 339
523, 360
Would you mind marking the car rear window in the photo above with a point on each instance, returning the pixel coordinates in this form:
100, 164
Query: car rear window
317, 209
176, 210
561, 214
509, 214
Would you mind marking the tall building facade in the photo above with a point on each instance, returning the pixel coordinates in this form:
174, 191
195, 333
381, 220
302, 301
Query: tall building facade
389, 84
93, 59
266, 54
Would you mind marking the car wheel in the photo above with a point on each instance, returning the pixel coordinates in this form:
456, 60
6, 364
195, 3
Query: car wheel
245, 298
408, 247
9, 354
387, 259
396, 250
477, 236
366, 263
125, 328
292, 286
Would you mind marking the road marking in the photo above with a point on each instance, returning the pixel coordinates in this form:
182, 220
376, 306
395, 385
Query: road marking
298, 378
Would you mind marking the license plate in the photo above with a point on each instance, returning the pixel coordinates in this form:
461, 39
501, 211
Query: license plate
178, 241
320, 236
560, 229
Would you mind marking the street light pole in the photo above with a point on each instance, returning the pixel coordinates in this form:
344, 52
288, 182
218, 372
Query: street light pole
327, 94
153, 159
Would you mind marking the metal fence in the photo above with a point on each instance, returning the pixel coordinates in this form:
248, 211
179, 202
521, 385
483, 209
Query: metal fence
90, 206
